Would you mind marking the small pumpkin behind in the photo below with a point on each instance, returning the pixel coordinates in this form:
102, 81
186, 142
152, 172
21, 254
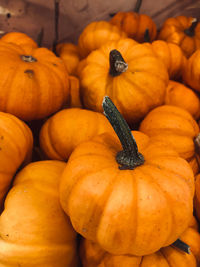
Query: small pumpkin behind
33, 85
21, 39
174, 125
34, 230
183, 31
62, 132
74, 93
96, 34
135, 25
92, 255
16, 143
190, 102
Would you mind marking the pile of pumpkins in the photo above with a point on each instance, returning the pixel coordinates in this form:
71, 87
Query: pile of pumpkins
100, 146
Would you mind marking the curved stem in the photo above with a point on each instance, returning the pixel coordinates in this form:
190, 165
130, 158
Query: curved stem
182, 246
147, 36
117, 63
129, 157
191, 30
137, 6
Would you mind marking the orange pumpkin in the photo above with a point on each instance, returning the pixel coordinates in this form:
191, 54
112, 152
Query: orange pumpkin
183, 31
32, 86
129, 73
96, 34
62, 132
191, 71
124, 199
197, 196
174, 96
172, 57
16, 142
173, 125
69, 53
20, 39
135, 25
74, 93
34, 230
93, 256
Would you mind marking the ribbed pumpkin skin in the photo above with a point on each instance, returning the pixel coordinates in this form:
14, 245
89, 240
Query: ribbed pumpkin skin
172, 57
31, 90
74, 93
96, 34
136, 91
70, 55
135, 25
93, 256
173, 125
62, 132
124, 210
174, 96
16, 143
20, 39
191, 71
34, 229
172, 31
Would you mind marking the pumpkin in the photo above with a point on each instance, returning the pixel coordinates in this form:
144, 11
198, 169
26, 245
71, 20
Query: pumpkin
191, 71
174, 96
16, 142
135, 25
129, 73
95, 34
183, 31
34, 231
63, 131
93, 256
32, 86
172, 57
194, 163
20, 39
69, 53
124, 199
74, 93
174, 125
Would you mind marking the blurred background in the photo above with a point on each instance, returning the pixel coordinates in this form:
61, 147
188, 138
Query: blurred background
34, 16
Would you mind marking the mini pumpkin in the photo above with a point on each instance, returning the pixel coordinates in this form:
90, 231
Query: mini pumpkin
174, 125
183, 31
135, 25
191, 71
129, 73
174, 96
96, 34
63, 131
34, 230
172, 57
124, 199
74, 93
21, 39
93, 256
32, 86
16, 142
69, 53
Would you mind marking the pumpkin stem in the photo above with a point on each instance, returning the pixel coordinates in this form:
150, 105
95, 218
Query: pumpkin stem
28, 58
146, 36
197, 143
182, 246
137, 6
129, 157
191, 30
40, 37
56, 21
117, 63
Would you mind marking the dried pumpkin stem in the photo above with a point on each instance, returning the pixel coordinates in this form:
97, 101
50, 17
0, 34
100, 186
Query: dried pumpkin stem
146, 36
28, 58
129, 157
191, 30
197, 143
117, 63
182, 246
56, 22
137, 6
